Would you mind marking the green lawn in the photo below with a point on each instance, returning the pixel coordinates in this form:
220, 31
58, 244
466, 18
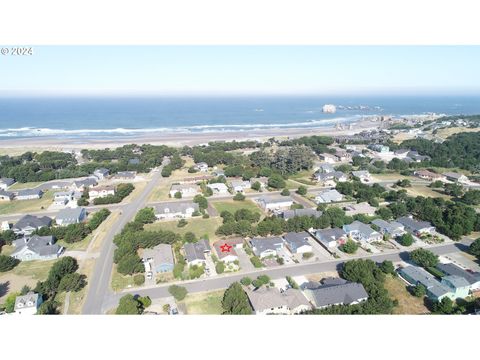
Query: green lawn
198, 226
29, 185
80, 245
119, 281
24, 206
209, 303
35, 269
233, 206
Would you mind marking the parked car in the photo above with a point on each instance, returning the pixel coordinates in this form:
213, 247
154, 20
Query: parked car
149, 275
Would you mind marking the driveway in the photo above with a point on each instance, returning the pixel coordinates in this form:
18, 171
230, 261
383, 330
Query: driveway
245, 263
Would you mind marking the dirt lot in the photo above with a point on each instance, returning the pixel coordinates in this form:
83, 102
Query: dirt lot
407, 303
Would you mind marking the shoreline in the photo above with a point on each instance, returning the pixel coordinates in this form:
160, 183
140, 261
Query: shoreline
177, 139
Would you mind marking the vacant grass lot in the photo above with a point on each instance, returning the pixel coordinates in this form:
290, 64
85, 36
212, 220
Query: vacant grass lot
119, 281
209, 303
200, 227
233, 206
422, 190
161, 192
407, 303
19, 186
24, 206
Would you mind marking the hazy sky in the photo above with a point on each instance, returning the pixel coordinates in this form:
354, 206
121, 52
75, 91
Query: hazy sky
225, 70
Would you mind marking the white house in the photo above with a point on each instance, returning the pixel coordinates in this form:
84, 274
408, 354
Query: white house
195, 252
328, 158
363, 175
36, 248
29, 194
70, 216
218, 188
361, 208
275, 203
175, 210
265, 247
201, 166
187, 190
27, 304
239, 186
62, 197
328, 196
5, 183
361, 232
101, 191
101, 173
269, 300
298, 243
6, 195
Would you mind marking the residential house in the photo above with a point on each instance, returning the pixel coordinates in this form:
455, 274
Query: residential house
275, 202
29, 194
6, 195
269, 300
328, 196
69, 216
297, 242
401, 153
195, 252
126, 175
459, 286
342, 155
330, 179
101, 173
29, 223
473, 278
101, 191
262, 180
428, 175
334, 292
391, 228
4, 226
36, 248
62, 197
219, 188
361, 208
161, 258
134, 161
362, 232
416, 227
379, 148
5, 183
225, 249
415, 156
416, 275
456, 177
265, 247
175, 210
290, 214
195, 179
239, 186
363, 175
218, 172
27, 304
187, 190
201, 166
330, 238
328, 158
325, 168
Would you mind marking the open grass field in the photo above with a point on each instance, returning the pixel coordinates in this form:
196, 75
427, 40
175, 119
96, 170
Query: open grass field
200, 227
80, 245
119, 281
422, 190
407, 303
209, 303
446, 132
29, 185
24, 206
77, 299
233, 206
139, 186
161, 192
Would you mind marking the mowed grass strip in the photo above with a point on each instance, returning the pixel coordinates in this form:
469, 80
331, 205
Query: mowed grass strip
199, 226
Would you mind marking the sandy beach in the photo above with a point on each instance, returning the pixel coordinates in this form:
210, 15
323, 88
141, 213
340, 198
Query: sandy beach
176, 139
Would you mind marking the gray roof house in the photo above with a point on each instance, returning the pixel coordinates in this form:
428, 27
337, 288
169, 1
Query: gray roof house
325, 168
452, 176
195, 252
275, 202
414, 226
6, 182
81, 184
298, 242
328, 196
36, 248
334, 292
392, 228
134, 161
161, 256
330, 238
101, 173
29, 223
473, 279
70, 216
263, 247
175, 210
27, 304
416, 275
362, 232
6, 195
127, 175
290, 214
28, 194
269, 300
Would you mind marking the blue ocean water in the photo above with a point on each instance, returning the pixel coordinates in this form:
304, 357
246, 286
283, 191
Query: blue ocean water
123, 116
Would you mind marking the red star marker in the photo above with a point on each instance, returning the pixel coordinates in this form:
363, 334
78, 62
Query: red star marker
225, 248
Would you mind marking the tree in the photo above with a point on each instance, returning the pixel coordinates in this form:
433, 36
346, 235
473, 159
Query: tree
349, 247
145, 301
475, 248
220, 267
178, 195
178, 292
285, 192
256, 186
201, 201
246, 281
7, 263
130, 264
189, 237
97, 218
145, 216
239, 197
10, 302
72, 282
454, 189
235, 301
182, 223
437, 184
128, 305
49, 307
406, 239
424, 258
387, 267
276, 181
445, 306
385, 213
255, 260
404, 183
419, 291
139, 279
302, 190
471, 197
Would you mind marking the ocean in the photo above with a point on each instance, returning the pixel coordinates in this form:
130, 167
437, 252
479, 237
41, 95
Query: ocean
106, 117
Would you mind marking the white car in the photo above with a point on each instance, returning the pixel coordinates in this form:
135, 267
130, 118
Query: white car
149, 275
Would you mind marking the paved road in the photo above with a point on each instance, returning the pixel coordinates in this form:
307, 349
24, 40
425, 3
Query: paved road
222, 282
99, 282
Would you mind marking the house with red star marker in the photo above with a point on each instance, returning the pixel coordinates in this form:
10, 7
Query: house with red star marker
225, 249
